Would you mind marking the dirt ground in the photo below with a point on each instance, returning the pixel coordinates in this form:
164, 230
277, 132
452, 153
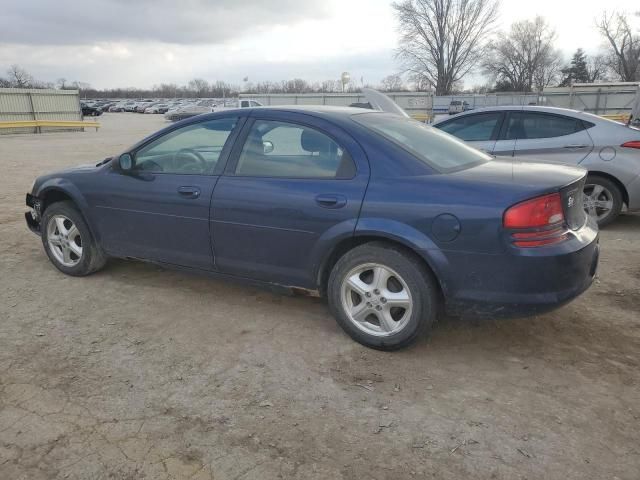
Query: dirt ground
139, 372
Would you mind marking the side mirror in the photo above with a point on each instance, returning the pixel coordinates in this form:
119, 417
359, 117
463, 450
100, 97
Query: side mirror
125, 162
268, 146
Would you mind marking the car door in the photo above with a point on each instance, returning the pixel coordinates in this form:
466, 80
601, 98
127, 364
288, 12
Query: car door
480, 130
549, 137
294, 184
160, 211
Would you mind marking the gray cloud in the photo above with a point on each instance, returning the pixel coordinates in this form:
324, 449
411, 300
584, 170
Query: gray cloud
69, 22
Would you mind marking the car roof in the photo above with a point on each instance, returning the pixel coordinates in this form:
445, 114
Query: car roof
526, 108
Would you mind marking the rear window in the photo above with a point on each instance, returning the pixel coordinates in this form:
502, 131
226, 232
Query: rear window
441, 151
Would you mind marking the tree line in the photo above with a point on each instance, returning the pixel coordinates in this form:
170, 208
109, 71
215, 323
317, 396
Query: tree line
18, 77
441, 42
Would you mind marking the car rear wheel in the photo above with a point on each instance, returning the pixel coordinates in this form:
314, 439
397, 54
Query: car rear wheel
68, 241
602, 199
382, 296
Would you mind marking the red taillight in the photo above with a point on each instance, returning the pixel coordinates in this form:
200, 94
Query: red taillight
537, 212
542, 219
632, 144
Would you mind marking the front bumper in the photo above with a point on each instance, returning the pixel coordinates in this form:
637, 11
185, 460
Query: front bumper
33, 216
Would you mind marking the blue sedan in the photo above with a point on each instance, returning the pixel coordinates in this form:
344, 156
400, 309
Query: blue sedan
391, 220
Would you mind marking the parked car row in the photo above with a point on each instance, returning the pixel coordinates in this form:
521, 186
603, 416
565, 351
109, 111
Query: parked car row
145, 106
173, 109
151, 106
208, 106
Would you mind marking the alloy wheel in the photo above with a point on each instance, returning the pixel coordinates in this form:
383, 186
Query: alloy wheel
597, 201
64, 240
376, 299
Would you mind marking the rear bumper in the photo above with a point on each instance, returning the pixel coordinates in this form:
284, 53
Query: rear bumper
529, 282
633, 189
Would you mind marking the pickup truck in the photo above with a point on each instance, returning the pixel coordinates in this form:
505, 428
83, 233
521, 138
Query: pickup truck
207, 106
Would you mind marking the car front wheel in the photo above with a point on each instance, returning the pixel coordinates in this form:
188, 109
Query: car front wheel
382, 296
68, 241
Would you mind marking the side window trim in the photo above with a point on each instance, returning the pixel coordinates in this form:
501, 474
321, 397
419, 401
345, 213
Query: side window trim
495, 135
228, 146
224, 153
234, 156
506, 118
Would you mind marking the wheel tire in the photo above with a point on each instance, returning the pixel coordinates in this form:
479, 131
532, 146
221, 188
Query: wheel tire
420, 283
92, 258
616, 197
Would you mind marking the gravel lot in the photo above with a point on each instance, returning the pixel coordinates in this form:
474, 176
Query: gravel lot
140, 372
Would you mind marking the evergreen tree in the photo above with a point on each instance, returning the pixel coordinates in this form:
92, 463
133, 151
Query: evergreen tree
577, 71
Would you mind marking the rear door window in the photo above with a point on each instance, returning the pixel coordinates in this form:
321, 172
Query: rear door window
282, 149
533, 125
440, 151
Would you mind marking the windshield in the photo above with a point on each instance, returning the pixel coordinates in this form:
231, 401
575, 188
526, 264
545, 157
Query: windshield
438, 149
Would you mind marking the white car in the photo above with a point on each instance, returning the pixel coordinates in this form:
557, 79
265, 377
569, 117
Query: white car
458, 106
157, 108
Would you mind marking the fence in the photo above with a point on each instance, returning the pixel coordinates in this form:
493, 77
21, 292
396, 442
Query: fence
600, 99
416, 104
40, 108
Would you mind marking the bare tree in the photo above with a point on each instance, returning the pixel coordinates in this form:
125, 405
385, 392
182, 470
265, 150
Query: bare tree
420, 82
392, 83
548, 70
199, 86
596, 68
624, 45
61, 83
524, 58
443, 40
18, 77
330, 86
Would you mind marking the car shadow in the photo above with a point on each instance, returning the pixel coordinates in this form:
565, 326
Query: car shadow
576, 330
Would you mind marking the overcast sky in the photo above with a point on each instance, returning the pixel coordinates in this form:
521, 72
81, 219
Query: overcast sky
111, 43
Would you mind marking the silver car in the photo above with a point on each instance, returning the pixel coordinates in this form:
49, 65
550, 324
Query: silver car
610, 151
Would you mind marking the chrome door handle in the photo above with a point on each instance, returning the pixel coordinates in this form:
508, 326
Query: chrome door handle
575, 146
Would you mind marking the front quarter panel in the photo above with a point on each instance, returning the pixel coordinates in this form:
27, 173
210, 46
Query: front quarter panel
72, 184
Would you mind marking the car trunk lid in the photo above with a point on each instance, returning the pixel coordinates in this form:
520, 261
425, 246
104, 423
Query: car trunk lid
572, 204
531, 179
